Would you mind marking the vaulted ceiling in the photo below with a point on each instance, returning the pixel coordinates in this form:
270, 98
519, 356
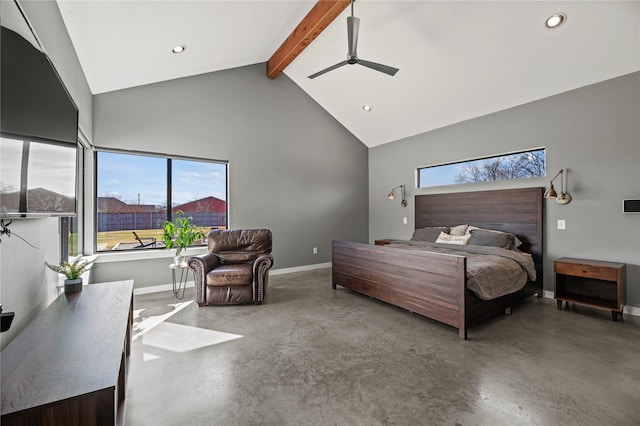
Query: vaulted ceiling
458, 59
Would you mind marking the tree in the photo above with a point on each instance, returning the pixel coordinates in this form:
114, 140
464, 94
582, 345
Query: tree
514, 166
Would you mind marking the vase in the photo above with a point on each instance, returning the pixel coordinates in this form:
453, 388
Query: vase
73, 286
178, 259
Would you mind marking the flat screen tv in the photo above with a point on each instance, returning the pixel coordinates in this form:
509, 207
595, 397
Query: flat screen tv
38, 127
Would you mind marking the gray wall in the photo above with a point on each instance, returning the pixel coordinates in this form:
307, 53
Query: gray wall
594, 132
292, 167
26, 286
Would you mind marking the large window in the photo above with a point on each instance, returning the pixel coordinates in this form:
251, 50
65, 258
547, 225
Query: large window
134, 192
517, 165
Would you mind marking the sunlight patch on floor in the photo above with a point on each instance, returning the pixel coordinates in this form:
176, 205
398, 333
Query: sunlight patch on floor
146, 357
147, 324
183, 338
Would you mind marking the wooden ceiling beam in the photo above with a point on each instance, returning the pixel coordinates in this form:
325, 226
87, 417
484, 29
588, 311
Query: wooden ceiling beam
318, 18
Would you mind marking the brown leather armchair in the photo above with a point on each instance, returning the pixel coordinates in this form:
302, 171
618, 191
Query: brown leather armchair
235, 270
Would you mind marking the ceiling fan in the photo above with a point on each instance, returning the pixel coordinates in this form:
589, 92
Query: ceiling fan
353, 24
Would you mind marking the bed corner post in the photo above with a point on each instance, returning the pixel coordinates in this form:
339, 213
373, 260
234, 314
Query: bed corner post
462, 332
462, 306
333, 270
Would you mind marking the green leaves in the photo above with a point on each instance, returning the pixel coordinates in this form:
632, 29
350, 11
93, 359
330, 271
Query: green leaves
180, 233
71, 270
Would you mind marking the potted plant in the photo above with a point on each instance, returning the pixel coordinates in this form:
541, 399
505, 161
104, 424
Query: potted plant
179, 234
72, 272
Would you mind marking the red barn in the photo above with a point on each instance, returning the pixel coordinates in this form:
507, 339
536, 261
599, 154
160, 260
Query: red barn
208, 204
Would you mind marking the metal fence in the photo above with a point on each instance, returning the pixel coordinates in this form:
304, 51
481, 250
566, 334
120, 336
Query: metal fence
154, 220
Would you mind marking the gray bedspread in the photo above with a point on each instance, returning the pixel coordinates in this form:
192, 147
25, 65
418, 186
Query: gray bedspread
491, 271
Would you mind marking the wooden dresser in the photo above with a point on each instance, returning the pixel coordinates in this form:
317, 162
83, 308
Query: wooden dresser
69, 366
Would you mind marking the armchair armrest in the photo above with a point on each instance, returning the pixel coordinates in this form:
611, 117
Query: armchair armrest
261, 267
201, 265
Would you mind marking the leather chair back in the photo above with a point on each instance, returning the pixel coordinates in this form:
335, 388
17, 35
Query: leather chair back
239, 245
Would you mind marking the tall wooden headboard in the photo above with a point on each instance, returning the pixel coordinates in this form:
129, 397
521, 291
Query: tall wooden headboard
518, 211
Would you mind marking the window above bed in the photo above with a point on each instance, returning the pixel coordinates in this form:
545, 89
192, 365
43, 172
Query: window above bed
516, 165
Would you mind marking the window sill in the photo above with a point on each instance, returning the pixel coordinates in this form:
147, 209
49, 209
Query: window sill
109, 257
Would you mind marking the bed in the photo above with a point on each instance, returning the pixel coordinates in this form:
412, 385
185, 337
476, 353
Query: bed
434, 284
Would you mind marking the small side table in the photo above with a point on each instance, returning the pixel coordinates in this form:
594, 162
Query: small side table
179, 282
591, 282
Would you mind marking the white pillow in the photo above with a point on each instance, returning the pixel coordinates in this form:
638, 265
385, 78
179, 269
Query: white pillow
453, 239
458, 230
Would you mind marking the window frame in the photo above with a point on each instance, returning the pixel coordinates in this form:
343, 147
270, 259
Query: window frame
419, 184
64, 222
169, 187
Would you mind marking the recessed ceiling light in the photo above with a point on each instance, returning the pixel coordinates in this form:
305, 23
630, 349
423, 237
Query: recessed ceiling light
366, 108
555, 20
178, 49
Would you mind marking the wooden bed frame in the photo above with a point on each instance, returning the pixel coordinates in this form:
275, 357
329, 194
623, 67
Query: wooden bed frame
432, 284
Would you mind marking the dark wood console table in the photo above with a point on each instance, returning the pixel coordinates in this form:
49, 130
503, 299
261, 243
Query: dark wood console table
69, 366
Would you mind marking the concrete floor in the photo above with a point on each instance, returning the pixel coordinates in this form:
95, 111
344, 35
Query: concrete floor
311, 355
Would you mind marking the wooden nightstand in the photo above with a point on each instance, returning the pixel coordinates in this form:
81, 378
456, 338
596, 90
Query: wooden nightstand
592, 283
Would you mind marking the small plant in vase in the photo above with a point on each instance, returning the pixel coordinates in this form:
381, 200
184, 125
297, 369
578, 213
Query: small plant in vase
73, 272
180, 234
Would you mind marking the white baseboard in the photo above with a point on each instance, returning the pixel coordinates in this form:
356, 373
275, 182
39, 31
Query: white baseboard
300, 268
191, 284
631, 310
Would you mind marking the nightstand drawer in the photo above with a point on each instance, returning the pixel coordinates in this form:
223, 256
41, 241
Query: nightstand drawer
587, 271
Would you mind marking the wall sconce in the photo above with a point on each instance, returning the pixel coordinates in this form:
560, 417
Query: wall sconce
564, 197
392, 195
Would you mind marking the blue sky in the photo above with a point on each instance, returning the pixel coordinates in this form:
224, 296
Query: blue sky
132, 177
440, 175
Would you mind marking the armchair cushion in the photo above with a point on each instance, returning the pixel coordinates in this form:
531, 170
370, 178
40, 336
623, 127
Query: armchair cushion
231, 275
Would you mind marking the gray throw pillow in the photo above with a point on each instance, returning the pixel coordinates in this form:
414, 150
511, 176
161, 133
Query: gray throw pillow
516, 241
429, 234
480, 237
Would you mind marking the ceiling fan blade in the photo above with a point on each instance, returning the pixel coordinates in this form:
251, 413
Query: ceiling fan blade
379, 67
353, 24
331, 68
